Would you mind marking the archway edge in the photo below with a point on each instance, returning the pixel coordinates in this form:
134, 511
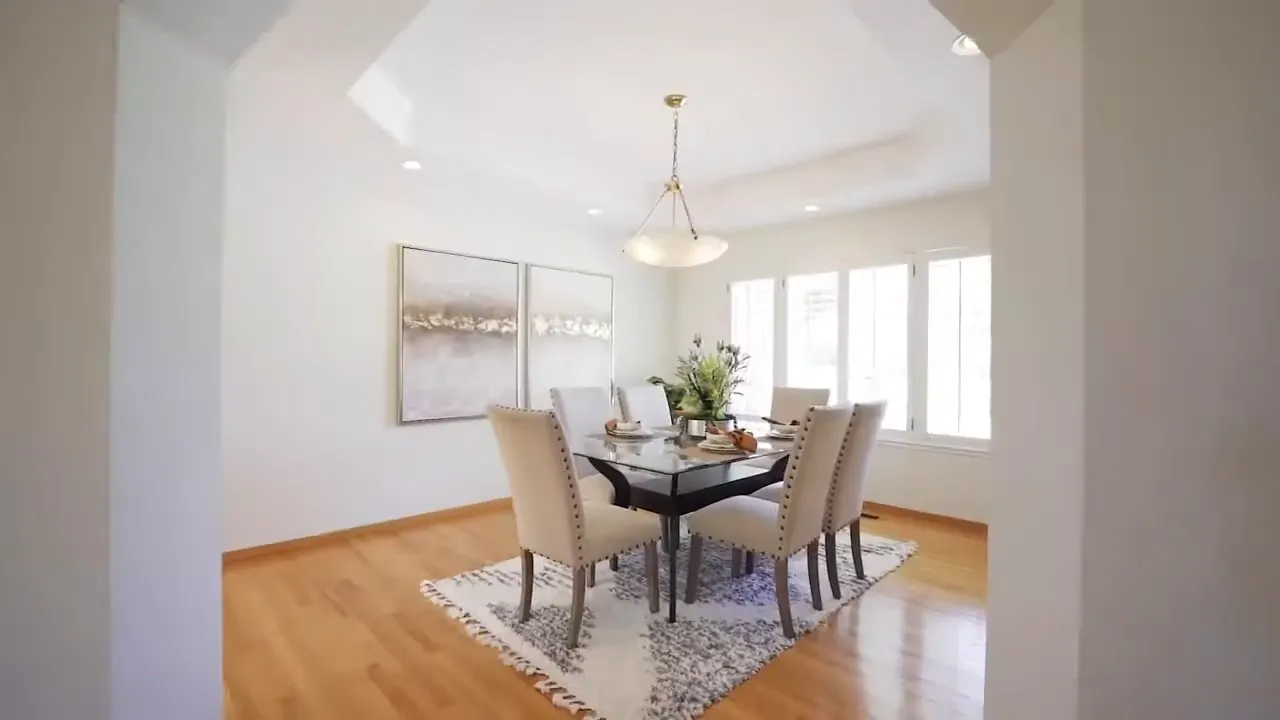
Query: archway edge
993, 24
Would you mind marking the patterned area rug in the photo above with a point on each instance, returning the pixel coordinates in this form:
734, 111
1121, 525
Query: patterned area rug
631, 665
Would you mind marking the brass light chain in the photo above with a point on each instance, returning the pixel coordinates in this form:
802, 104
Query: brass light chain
673, 186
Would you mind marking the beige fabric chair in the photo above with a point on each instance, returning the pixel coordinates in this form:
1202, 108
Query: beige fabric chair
584, 411
791, 403
553, 521
844, 506
780, 530
645, 404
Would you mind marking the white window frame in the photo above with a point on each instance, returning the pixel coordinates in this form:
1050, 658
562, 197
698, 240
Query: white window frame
777, 288
889, 434
919, 352
916, 434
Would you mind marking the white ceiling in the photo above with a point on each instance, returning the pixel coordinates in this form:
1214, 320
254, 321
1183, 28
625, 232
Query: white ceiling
839, 103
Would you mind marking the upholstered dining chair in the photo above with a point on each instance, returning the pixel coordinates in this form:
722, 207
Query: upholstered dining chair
583, 411
791, 403
552, 519
788, 404
779, 531
645, 404
844, 505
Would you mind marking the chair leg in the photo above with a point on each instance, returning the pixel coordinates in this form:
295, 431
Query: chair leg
613, 563
526, 584
780, 581
855, 538
651, 574
591, 575
579, 600
695, 561
666, 527
735, 563
833, 574
815, 587
751, 563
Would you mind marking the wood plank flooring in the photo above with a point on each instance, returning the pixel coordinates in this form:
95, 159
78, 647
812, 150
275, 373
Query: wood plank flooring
339, 632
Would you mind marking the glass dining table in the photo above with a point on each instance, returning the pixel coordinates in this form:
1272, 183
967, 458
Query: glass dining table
678, 477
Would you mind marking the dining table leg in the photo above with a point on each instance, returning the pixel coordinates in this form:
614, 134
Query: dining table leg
673, 532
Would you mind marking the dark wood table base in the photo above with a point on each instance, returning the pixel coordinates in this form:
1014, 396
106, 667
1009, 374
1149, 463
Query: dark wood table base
673, 496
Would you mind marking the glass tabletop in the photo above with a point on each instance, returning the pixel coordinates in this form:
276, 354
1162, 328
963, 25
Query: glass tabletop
668, 452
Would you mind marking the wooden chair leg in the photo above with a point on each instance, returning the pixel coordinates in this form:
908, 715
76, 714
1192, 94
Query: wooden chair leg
855, 538
613, 563
651, 574
579, 600
815, 586
695, 561
751, 563
526, 584
780, 581
735, 563
833, 573
591, 575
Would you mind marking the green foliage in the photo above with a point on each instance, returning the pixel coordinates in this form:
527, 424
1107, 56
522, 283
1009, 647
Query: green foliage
710, 379
675, 393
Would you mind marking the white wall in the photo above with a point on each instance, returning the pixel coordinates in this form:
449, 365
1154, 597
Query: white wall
1136, 509
57, 91
109, 304
1038, 373
166, 570
1182, 343
942, 481
309, 352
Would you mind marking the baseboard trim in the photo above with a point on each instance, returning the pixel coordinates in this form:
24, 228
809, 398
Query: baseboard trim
311, 541
972, 526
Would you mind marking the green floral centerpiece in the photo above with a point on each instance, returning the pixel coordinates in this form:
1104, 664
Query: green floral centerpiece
710, 379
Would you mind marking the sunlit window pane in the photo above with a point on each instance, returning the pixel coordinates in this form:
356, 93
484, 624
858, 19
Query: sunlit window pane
959, 400
813, 331
878, 339
751, 328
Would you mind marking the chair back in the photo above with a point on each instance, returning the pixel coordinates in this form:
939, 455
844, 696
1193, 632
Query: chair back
791, 403
809, 474
582, 411
851, 472
544, 490
645, 404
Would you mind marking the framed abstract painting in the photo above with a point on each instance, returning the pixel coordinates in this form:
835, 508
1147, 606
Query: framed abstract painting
459, 335
570, 331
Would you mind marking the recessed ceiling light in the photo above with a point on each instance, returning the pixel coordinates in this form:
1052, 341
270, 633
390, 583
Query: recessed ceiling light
964, 46
411, 165
595, 211
811, 208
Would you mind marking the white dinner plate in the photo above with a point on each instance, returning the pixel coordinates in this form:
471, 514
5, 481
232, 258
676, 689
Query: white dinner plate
783, 436
631, 433
718, 448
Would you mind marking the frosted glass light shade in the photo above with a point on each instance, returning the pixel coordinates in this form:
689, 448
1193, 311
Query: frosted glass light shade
674, 249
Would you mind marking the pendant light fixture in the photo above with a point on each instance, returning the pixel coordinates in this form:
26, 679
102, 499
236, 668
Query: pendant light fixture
677, 246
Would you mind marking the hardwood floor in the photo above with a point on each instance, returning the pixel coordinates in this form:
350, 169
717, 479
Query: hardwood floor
340, 632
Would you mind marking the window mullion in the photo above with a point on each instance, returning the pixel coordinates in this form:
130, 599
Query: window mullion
918, 348
842, 337
780, 332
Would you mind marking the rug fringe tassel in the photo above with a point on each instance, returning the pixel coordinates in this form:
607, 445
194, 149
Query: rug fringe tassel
559, 695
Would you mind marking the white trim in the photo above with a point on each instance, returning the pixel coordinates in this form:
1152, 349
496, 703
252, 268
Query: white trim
934, 446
